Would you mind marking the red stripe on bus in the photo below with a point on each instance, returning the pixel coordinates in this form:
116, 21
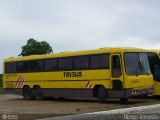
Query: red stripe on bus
18, 81
21, 83
90, 85
87, 84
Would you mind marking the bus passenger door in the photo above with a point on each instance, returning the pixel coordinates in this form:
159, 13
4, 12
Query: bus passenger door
116, 76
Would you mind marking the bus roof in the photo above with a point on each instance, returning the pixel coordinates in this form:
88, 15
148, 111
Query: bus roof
157, 51
76, 53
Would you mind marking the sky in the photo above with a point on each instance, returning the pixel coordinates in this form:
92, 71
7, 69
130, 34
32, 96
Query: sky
73, 25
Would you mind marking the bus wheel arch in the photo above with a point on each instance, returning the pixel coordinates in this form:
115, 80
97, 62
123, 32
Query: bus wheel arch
37, 90
28, 93
100, 92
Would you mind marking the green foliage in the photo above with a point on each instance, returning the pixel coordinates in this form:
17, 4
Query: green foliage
34, 47
1, 82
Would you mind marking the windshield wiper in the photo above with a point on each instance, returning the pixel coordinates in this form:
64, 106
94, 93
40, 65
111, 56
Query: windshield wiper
137, 71
139, 68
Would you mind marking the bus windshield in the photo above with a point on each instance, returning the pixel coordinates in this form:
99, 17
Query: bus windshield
136, 64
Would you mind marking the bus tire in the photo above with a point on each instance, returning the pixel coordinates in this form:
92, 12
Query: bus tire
156, 96
124, 100
102, 95
28, 93
38, 93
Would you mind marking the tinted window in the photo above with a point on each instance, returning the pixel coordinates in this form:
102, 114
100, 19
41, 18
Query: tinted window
36, 65
100, 61
153, 60
51, 64
81, 62
65, 63
116, 66
10, 67
22, 66
154, 64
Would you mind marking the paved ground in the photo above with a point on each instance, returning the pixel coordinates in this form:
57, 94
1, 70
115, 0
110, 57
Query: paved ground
151, 112
37, 109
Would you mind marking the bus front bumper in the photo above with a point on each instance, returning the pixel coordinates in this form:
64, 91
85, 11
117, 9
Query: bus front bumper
146, 91
127, 93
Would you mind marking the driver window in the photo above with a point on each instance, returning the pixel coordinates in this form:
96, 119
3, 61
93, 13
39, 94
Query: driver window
116, 66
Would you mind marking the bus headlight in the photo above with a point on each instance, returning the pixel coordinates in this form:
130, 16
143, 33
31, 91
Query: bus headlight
135, 92
151, 90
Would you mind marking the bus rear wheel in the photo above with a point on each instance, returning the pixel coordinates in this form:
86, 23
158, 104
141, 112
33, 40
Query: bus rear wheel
28, 93
38, 92
124, 100
102, 95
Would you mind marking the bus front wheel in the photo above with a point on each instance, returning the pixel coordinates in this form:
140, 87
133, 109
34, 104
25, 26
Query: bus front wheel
124, 100
102, 94
28, 93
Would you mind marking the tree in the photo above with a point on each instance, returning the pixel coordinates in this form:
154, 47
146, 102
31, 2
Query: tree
34, 47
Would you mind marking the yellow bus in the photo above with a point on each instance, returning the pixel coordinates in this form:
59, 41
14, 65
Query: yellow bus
154, 62
101, 73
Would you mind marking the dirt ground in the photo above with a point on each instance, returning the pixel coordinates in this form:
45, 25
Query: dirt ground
15, 105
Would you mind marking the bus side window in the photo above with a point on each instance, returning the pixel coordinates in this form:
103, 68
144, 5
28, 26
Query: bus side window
116, 66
